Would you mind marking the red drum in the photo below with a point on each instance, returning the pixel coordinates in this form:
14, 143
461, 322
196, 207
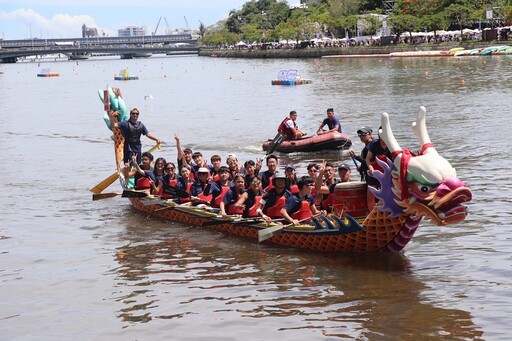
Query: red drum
350, 198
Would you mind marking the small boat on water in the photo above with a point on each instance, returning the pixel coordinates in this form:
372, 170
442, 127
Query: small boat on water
430, 190
290, 77
47, 72
329, 141
124, 75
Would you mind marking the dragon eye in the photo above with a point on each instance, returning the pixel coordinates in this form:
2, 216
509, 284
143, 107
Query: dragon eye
422, 190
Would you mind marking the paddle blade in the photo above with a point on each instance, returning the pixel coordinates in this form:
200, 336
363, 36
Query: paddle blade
269, 232
176, 192
105, 183
276, 142
133, 194
99, 196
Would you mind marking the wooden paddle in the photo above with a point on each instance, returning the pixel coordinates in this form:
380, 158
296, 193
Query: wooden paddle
125, 194
270, 232
232, 221
99, 196
114, 176
276, 142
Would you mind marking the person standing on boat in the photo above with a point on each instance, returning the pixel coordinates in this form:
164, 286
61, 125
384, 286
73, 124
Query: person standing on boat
376, 149
365, 135
132, 130
332, 122
289, 127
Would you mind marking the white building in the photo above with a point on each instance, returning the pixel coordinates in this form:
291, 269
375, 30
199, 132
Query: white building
132, 31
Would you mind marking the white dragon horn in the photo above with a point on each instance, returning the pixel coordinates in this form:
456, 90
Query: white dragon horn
387, 134
420, 128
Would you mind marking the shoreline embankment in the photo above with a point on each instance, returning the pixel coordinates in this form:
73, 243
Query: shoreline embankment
350, 51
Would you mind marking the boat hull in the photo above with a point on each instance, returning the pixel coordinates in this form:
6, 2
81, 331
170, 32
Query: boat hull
338, 240
329, 141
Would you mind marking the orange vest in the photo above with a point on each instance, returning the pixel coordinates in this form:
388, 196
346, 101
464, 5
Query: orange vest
223, 190
252, 210
294, 189
189, 186
274, 211
232, 210
304, 211
285, 130
142, 183
171, 183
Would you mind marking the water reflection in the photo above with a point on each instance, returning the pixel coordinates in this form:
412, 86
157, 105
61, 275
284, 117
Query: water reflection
171, 272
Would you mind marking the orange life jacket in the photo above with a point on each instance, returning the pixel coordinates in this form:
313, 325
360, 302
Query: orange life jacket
285, 130
189, 186
232, 210
294, 189
274, 211
218, 199
252, 210
171, 183
304, 211
142, 183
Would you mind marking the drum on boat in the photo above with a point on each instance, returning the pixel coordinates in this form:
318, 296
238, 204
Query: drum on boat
350, 198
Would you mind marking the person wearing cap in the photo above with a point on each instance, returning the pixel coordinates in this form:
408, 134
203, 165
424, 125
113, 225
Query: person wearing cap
376, 149
274, 199
332, 122
266, 176
344, 172
199, 188
291, 176
301, 206
365, 135
184, 155
219, 187
289, 127
132, 131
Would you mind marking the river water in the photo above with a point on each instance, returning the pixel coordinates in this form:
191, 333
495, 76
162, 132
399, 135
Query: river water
74, 268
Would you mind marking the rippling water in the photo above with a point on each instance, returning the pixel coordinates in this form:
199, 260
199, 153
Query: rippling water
73, 268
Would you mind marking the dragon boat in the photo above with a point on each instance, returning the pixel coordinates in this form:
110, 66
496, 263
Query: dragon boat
329, 141
412, 187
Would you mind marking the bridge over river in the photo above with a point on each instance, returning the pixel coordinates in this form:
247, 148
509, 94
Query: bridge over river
82, 48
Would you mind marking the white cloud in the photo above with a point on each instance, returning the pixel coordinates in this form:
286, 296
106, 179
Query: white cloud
29, 23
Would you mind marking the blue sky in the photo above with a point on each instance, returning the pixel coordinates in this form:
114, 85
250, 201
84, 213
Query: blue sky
23, 19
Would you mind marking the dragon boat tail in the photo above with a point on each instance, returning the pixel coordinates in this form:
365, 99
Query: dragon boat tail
412, 187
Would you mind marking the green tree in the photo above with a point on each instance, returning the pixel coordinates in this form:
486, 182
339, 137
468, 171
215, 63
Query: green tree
404, 23
460, 14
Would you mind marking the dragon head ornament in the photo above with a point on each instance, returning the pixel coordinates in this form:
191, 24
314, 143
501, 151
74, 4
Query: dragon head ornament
422, 185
